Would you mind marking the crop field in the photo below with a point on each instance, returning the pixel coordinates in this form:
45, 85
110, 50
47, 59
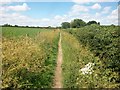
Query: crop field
90, 57
28, 62
18, 31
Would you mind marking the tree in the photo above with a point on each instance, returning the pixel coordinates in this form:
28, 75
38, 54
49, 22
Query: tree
113, 25
26, 26
49, 27
98, 23
7, 25
77, 23
65, 25
92, 22
16, 25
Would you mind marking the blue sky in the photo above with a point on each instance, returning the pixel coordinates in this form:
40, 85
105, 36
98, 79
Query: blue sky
48, 9
54, 13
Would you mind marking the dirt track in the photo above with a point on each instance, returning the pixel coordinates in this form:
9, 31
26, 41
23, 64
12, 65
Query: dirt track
58, 72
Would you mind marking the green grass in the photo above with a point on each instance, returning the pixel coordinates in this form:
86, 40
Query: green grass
34, 55
75, 57
18, 31
70, 60
102, 41
29, 61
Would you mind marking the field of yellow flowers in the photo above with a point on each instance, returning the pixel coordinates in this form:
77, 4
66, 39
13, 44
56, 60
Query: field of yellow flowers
29, 62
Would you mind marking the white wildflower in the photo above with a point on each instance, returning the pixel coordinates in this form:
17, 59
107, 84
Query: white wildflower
87, 69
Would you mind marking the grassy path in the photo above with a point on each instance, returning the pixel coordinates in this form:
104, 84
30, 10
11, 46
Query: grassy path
58, 72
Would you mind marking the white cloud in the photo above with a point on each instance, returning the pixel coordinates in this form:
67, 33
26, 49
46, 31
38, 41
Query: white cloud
77, 9
80, 2
89, 17
10, 1
86, 1
113, 17
109, 18
23, 7
75, 1
96, 6
59, 19
115, 12
81, 11
97, 14
45, 19
2, 9
14, 18
19, 19
106, 10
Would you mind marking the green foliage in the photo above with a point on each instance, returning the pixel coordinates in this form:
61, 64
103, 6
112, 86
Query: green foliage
75, 57
103, 42
29, 62
65, 25
29, 57
7, 25
70, 60
92, 22
77, 23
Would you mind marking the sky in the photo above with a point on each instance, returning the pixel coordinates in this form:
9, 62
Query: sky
54, 12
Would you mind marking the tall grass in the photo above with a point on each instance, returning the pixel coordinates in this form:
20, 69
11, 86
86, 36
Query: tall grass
70, 59
29, 62
75, 58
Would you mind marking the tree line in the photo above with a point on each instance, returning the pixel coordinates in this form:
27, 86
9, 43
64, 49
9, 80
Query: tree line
48, 27
77, 23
